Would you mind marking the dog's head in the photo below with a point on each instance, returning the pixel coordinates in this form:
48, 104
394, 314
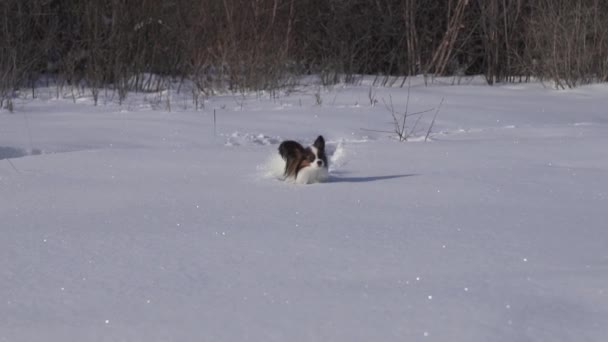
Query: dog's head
315, 154
311, 159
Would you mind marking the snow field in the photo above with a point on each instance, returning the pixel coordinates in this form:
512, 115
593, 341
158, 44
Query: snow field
132, 223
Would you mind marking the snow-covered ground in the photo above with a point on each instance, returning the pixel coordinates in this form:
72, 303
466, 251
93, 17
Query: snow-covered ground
134, 223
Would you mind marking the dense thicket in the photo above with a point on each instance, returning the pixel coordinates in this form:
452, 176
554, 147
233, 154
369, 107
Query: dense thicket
261, 44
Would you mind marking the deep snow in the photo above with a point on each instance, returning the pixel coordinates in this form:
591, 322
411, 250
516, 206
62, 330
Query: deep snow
132, 223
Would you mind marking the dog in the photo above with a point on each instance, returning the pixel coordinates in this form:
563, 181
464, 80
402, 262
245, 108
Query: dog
304, 165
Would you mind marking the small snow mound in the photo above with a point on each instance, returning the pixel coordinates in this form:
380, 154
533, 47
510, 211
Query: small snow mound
238, 139
421, 138
336, 154
274, 167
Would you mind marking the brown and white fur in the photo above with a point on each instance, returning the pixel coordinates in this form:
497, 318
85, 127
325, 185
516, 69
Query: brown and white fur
304, 165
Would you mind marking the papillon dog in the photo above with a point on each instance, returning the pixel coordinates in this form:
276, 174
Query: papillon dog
304, 165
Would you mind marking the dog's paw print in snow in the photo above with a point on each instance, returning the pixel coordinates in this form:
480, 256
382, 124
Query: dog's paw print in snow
238, 139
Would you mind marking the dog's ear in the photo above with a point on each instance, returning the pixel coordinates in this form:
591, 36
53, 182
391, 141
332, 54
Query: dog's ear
290, 149
319, 143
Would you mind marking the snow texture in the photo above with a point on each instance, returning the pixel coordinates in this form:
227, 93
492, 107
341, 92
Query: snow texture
131, 223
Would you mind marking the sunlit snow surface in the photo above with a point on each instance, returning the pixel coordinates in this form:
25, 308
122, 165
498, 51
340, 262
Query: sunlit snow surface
132, 223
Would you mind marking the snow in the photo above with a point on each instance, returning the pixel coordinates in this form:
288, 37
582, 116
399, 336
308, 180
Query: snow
132, 223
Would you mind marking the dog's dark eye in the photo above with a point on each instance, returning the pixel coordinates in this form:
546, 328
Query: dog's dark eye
311, 158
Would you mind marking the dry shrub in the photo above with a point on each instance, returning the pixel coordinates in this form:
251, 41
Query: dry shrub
266, 44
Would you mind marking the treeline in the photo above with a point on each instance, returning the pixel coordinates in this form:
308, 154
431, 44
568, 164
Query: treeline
263, 44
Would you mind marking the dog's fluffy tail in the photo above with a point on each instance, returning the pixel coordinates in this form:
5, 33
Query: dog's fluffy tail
290, 149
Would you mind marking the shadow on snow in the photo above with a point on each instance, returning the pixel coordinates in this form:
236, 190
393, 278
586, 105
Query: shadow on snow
334, 179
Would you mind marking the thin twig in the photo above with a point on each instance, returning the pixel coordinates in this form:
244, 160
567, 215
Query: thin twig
413, 130
13, 165
433, 122
422, 112
418, 120
407, 104
391, 109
